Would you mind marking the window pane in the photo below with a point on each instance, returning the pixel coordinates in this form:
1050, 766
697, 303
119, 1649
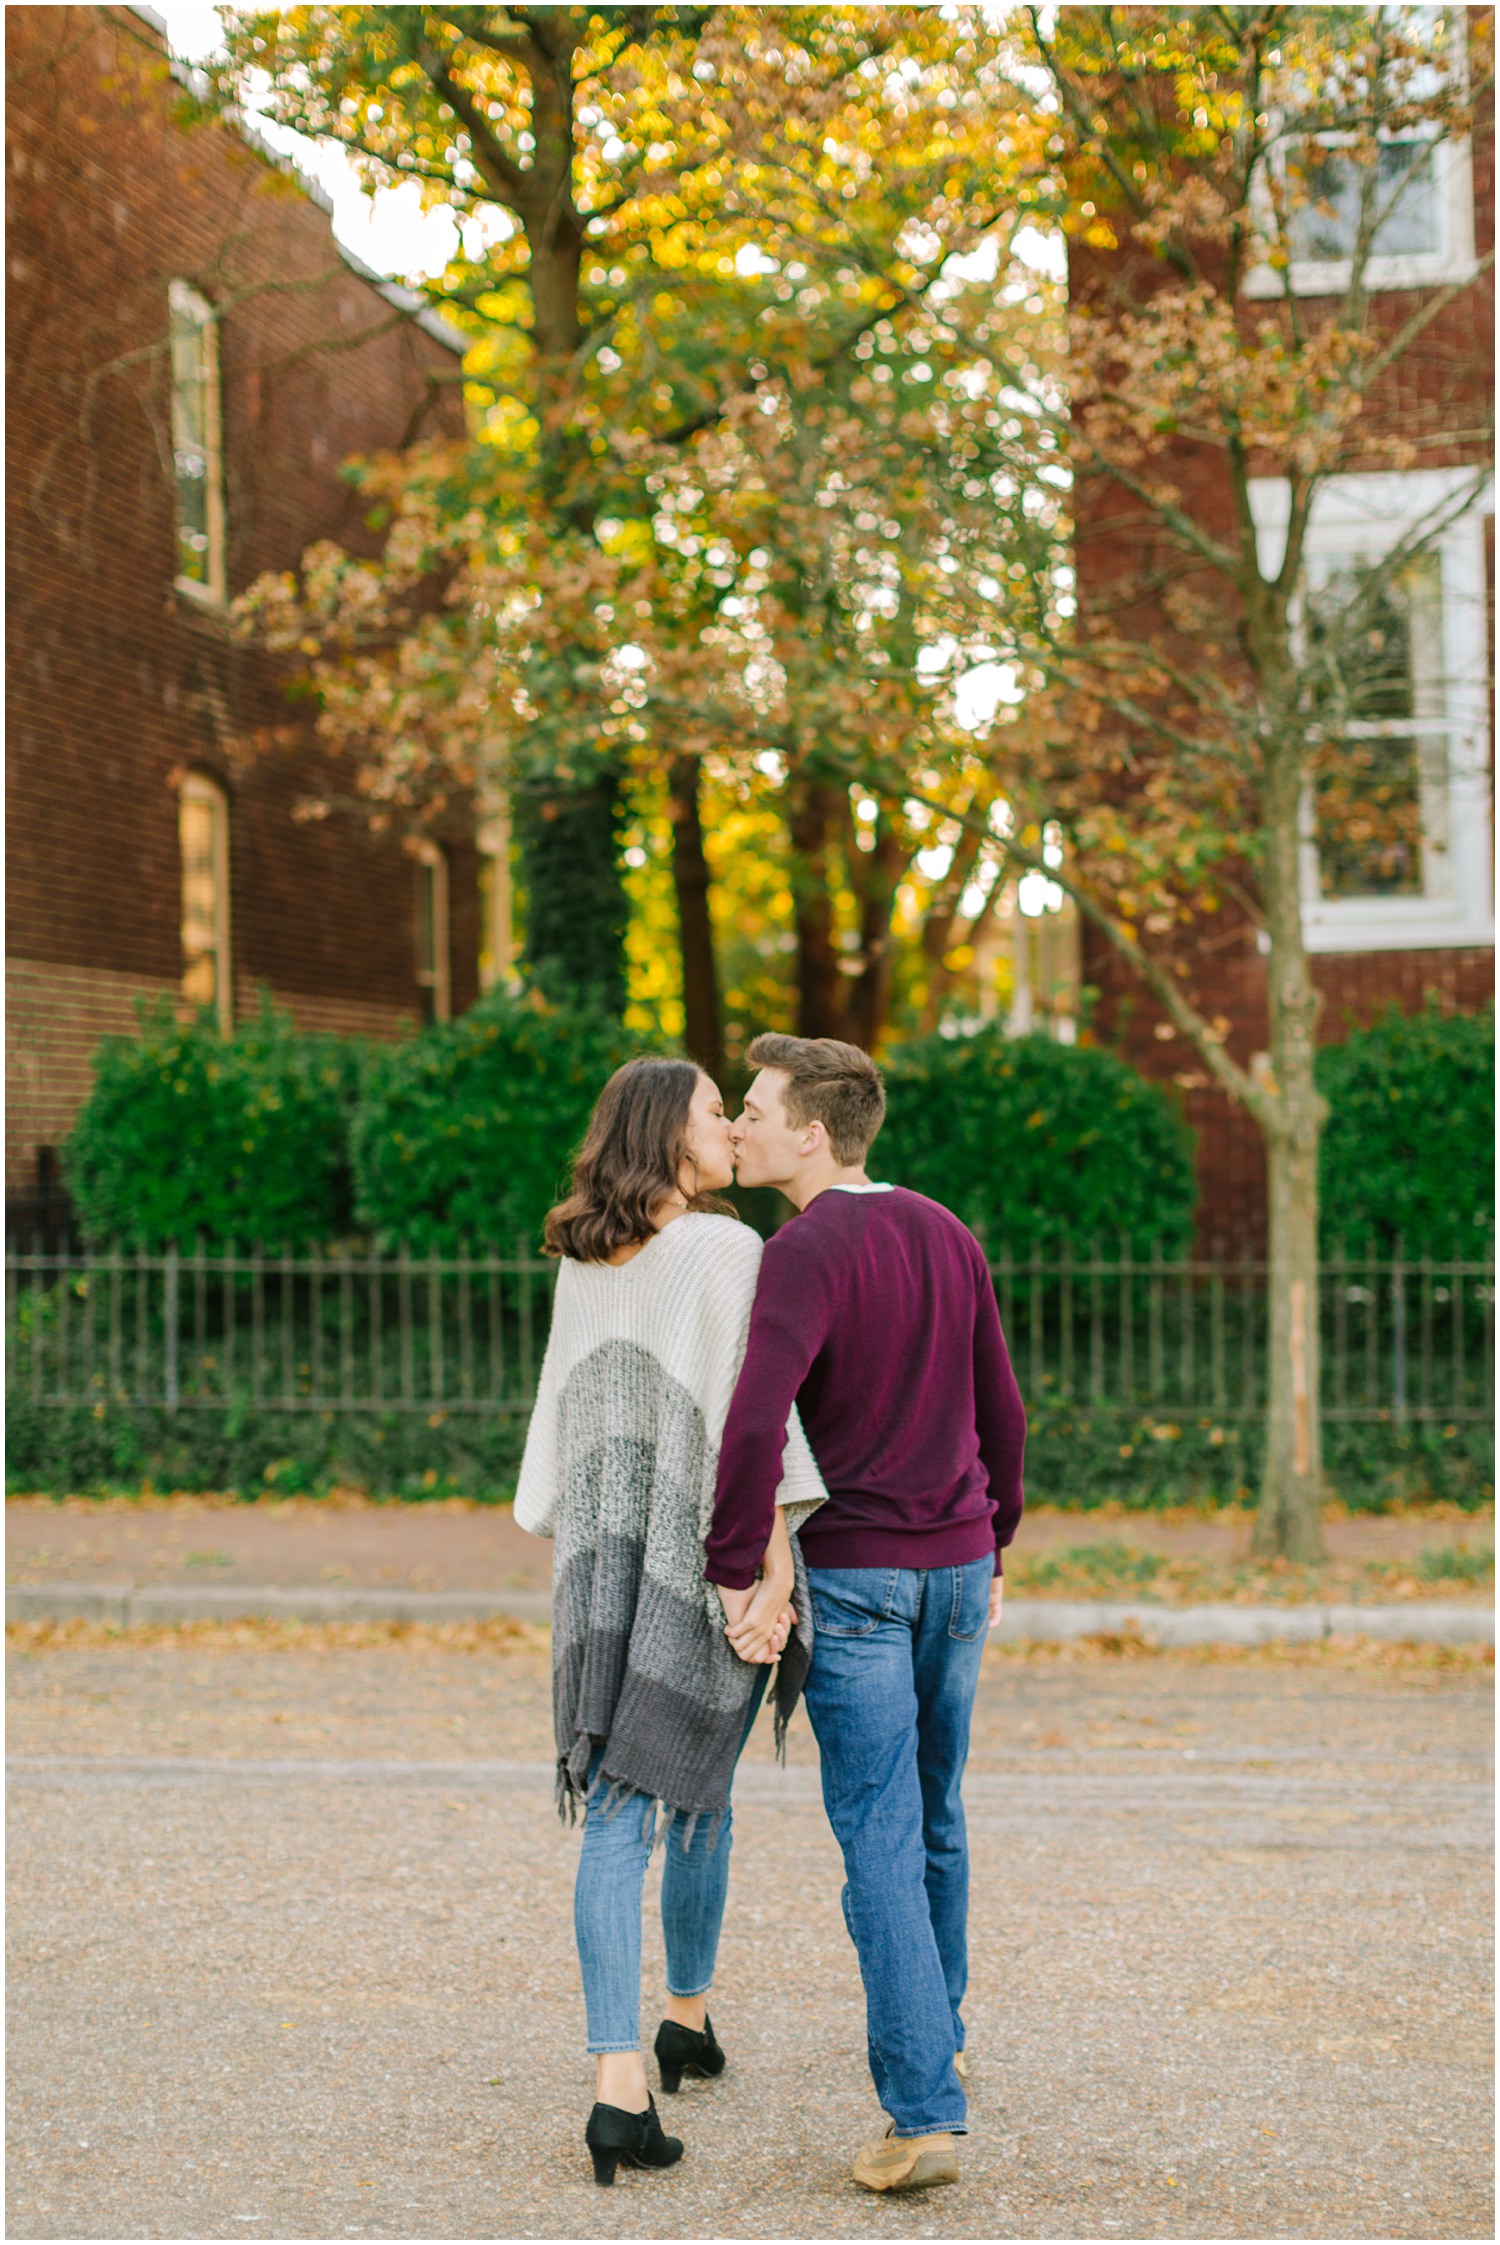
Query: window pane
1374, 648
1369, 817
192, 441
197, 827
426, 922
1374, 651
200, 984
1406, 212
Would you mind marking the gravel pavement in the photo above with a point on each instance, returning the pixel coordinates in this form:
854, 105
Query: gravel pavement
290, 1928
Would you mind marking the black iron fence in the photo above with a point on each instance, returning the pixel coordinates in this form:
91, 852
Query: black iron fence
1405, 1336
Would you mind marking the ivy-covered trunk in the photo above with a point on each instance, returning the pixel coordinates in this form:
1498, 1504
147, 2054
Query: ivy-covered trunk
703, 1028
574, 903
1289, 1523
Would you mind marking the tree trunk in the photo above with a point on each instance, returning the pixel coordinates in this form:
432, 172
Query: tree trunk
1289, 1523
810, 817
876, 874
703, 1031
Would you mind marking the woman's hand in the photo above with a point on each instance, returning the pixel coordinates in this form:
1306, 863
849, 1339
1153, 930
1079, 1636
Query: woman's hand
758, 1621
762, 1627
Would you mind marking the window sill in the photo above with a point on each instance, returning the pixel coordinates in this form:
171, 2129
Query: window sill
1396, 924
203, 597
1382, 275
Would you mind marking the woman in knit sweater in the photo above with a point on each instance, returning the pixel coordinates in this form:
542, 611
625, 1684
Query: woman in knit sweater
651, 1703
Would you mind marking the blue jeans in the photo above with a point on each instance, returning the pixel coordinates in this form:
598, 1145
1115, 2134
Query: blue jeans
896, 1654
607, 1902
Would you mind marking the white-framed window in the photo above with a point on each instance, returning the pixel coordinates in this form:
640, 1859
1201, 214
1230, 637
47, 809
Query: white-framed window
1413, 206
1393, 630
432, 931
203, 839
197, 445
497, 938
1040, 920
1418, 198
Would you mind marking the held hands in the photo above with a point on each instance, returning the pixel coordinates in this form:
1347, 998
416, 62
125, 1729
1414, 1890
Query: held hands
997, 1599
759, 1620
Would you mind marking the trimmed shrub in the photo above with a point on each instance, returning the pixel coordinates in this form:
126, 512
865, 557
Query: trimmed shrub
1084, 1459
466, 1133
243, 1137
81, 1450
1409, 1144
1032, 1142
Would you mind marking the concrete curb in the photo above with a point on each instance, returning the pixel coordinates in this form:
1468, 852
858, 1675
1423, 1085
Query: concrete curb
1059, 1622
1037, 1620
128, 1606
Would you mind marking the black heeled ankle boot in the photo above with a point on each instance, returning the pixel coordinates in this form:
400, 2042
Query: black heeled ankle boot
634, 2137
683, 2050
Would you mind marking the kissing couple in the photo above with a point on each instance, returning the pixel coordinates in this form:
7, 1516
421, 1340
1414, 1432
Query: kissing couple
805, 1454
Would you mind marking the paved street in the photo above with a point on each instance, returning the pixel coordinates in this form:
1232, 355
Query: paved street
291, 1955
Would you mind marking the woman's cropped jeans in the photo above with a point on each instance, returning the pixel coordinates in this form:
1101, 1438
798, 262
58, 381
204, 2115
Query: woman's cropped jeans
607, 1902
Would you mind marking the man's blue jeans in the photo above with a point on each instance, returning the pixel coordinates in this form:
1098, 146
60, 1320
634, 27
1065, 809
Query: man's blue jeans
896, 1654
607, 1902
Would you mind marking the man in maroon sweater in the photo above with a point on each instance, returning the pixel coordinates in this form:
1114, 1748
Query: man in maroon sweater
875, 1315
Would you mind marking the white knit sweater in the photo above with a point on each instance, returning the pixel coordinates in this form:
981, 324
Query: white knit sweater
684, 1301
621, 1462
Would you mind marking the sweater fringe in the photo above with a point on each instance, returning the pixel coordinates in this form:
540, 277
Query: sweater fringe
572, 1800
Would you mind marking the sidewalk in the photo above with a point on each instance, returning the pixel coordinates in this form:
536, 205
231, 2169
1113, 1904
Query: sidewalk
1176, 1580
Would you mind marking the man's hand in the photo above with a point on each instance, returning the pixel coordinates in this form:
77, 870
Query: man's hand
997, 1598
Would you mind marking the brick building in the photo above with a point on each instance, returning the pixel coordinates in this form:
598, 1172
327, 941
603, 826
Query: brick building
192, 358
1379, 933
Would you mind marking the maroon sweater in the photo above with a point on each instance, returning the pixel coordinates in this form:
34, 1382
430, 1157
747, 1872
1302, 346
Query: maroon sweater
876, 1316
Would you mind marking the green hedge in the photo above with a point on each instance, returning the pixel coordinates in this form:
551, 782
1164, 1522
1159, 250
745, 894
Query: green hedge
461, 1133
466, 1132
1075, 1457
411, 1455
1032, 1142
1082, 1459
242, 1137
1409, 1144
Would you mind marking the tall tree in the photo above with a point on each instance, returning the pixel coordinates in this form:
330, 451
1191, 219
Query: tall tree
1201, 704
507, 117
716, 218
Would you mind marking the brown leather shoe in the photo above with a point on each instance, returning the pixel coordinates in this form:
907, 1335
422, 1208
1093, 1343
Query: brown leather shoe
895, 2162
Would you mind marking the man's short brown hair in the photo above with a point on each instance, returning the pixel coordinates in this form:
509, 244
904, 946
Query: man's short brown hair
831, 1083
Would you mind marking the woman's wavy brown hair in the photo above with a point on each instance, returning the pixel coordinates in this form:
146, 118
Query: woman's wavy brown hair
628, 1163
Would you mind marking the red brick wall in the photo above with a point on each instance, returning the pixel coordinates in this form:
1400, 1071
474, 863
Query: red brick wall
1230, 979
117, 683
